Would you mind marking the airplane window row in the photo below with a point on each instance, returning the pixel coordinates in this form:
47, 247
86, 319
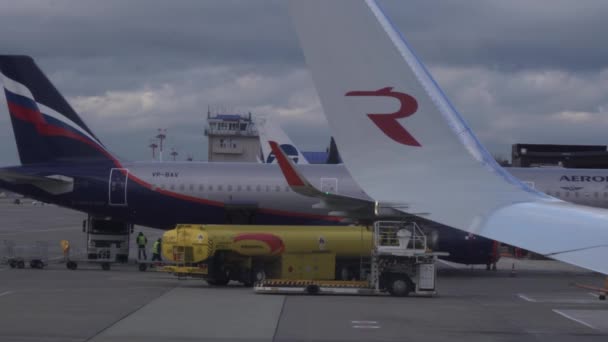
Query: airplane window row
220, 188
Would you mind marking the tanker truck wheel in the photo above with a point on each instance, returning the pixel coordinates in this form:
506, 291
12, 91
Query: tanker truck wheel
400, 286
220, 278
248, 278
258, 274
218, 282
345, 273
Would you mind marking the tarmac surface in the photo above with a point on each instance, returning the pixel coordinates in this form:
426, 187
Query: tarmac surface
123, 304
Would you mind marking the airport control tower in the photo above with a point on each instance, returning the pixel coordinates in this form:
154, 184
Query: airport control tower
232, 138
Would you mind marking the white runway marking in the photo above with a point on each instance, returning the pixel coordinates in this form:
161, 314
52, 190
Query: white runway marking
574, 319
561, 298
594, 294
365, 324
5, 293
526, 298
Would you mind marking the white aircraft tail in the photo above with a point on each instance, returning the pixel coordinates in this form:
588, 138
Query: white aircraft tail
403, 142
269, 131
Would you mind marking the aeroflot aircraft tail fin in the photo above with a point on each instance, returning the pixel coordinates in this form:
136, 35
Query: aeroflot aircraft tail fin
46, 127
403, 142
270, 131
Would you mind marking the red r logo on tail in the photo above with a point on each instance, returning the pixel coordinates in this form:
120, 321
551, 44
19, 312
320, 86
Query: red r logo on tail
388, 122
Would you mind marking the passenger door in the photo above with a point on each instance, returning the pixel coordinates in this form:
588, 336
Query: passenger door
118, 187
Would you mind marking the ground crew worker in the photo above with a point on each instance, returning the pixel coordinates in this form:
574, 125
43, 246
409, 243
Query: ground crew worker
156, 248
65, 246
141, 245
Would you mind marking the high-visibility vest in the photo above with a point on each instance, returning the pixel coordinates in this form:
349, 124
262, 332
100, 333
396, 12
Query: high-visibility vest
156, 248
141, 240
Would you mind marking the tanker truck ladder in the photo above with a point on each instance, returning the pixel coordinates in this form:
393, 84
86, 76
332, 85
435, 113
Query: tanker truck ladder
398, 238
183, 265
180, 256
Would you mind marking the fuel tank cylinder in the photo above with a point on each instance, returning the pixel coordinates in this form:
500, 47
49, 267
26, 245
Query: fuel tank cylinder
196, 243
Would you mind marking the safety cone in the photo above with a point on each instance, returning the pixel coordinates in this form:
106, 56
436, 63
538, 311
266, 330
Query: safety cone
513, 274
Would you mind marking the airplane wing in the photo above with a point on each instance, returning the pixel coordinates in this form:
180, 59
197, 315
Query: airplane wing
404, 142
54, 184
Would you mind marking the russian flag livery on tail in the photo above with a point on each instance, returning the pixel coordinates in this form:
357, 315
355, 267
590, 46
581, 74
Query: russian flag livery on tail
46, 127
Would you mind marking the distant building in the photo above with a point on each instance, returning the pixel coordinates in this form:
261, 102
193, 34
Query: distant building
570, 156
232, 138
235, 138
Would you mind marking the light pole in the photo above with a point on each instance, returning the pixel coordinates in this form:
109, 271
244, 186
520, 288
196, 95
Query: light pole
174, 153
153, 146
161, 136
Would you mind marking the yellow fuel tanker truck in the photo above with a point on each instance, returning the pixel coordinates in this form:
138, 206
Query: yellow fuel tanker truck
250, 253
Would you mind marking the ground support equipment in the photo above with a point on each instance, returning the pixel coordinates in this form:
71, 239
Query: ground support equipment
20, 254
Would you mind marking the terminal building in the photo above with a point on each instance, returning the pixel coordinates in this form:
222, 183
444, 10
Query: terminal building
569, 156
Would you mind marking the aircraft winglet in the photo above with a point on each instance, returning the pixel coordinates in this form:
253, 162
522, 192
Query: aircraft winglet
292, 176
299, 184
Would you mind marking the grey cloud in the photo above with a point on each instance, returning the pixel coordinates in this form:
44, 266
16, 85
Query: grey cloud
510, 35
181, 106
534, 106
507, 65
155, 33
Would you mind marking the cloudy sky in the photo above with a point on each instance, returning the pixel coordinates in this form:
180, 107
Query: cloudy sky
518, 70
